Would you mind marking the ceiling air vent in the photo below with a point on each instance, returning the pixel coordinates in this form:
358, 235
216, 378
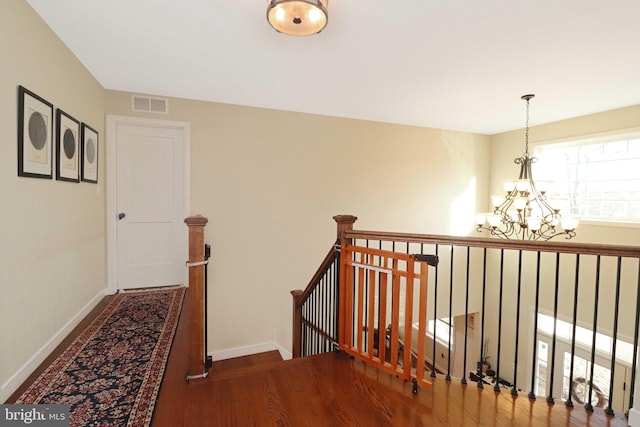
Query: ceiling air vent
148, 104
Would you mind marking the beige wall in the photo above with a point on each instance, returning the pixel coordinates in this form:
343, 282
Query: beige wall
271, 181
52, 240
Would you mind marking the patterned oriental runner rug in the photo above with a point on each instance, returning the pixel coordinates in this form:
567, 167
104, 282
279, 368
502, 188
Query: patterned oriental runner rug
110, 375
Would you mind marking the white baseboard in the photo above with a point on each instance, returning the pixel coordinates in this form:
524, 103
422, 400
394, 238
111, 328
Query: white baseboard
248, 350
286, 354
20, 376
634, 418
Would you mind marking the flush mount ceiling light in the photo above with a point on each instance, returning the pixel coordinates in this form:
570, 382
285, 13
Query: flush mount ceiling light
298, 17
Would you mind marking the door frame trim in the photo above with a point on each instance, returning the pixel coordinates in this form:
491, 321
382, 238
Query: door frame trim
112, 123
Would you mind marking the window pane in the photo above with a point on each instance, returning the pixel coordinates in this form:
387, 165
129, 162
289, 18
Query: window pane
579, 388
593, 179
541, 369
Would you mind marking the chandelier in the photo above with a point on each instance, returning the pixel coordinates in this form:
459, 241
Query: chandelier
524, 212
298, 17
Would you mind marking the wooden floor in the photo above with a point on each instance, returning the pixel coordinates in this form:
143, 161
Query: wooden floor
331, 390
334, 390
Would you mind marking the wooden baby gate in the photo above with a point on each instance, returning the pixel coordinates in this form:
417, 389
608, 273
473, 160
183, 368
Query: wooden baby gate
383, 302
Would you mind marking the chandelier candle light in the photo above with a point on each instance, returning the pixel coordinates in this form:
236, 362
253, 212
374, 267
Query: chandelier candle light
298, 17
524, 212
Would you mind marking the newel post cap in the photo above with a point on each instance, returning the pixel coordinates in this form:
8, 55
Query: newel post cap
196, 220
344, 222
345, 219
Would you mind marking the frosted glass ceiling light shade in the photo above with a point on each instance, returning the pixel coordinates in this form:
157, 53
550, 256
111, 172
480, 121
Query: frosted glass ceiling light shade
298, 17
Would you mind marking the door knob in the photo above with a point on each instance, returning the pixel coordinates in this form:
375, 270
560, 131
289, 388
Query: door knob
121, 215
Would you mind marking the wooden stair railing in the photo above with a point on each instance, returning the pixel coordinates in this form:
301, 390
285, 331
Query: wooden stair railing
301, 298
488, 291
499, 272
316, 332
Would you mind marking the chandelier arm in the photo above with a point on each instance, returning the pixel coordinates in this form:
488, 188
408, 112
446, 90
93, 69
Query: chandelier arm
509, 229
508, 223
494, 231
503, 209
545, 207
544, 236
550, 217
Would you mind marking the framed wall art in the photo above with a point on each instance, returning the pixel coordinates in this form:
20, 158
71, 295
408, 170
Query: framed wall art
35, 135
67, 147
89, 154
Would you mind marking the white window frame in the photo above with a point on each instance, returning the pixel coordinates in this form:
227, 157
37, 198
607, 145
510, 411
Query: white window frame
443, 330
596, 138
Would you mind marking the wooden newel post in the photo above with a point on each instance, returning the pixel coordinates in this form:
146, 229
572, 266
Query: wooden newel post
345, 222
296, 350
197, 350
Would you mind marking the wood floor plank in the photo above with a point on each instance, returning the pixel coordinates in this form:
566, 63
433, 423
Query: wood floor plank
171, 404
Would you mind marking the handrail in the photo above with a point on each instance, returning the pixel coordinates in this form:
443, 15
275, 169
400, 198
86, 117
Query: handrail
321, 271
301, 299
321, 325
493, 243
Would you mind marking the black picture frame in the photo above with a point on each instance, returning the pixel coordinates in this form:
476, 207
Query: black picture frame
35, 135
89, 154
67, 147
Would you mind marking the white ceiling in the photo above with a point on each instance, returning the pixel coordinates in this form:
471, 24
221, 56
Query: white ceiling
450, 64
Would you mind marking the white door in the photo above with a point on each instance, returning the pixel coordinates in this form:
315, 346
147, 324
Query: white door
581, 375
150, 234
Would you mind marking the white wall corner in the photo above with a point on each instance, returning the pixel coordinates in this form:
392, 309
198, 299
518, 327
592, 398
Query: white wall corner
634, 417
21, 375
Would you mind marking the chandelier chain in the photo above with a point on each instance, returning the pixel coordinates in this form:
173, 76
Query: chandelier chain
526, 135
